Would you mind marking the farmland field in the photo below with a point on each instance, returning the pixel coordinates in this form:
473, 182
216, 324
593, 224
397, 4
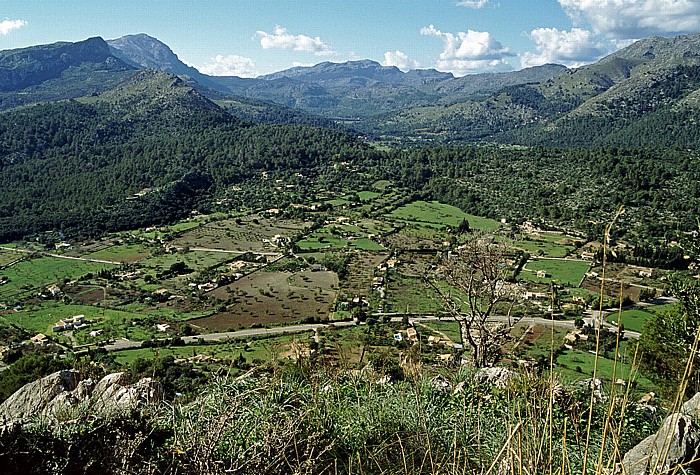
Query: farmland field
572, 360
39, 272
411, 295
126, 253
273, 297
256, 349
548, 245
7, 257
566, 272
195, 260
634, 318
240, 234
441, 214
42, 319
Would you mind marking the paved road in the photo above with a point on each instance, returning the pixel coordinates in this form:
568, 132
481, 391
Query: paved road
123, 344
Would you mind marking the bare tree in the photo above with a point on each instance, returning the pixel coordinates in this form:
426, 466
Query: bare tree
478, 273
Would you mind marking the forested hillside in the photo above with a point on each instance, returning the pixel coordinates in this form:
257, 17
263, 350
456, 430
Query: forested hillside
146, 152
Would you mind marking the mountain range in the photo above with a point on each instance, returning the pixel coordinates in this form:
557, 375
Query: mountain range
631, 97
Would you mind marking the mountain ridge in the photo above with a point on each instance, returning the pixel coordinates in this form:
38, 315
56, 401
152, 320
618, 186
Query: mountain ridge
597, 104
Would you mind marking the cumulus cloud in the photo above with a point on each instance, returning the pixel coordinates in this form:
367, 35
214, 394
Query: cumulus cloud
472, 51
635, 19
6, 26
232, 65
281, 39
400, 60
475, 4
571, 48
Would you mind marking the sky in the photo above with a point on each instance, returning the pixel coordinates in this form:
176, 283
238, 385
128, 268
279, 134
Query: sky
249, 38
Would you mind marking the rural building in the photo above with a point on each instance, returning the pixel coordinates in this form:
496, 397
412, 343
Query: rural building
39, 339
412, 334
77, 322
162, 327
541, 274
587, 256
535, 296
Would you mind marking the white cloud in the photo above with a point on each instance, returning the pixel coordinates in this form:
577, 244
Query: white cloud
232, 65
571, 48
635, 19
298, 64
475, 4
400, 60
283, 40
469, 52
6, 26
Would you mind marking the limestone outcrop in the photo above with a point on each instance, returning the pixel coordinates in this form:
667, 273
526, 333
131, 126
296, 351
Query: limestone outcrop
676, 444
64, 395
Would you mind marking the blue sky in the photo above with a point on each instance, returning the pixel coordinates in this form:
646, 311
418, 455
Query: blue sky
252, 37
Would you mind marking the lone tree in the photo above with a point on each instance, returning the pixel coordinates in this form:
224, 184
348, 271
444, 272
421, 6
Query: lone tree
478, 272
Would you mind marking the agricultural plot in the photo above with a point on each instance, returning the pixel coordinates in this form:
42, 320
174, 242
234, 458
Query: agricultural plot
320, 240
40, 272
42, 318
360, 273
634, 318
273, 297
253, 350
8, 257
411, 295
195, 260
548, 245
248, 234
368, 195
441, 214
566, 272
579, 364
126, 253
416, 236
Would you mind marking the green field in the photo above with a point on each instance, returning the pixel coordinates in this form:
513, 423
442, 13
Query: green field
368, 195
366, 244
121, 253
434, 212
321, 240
569, 273
43, 318
572, 360
256, 349
634, 318
547, 245
39, 272
9, 256
411, 295
449, 328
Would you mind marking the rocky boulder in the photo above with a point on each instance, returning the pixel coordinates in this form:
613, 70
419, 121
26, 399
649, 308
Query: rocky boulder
495, 376
676, 444
64, 395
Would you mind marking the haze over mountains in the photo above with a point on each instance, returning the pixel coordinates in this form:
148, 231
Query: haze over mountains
631, 97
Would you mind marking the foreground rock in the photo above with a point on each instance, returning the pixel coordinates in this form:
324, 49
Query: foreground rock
64, 395
676, 444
